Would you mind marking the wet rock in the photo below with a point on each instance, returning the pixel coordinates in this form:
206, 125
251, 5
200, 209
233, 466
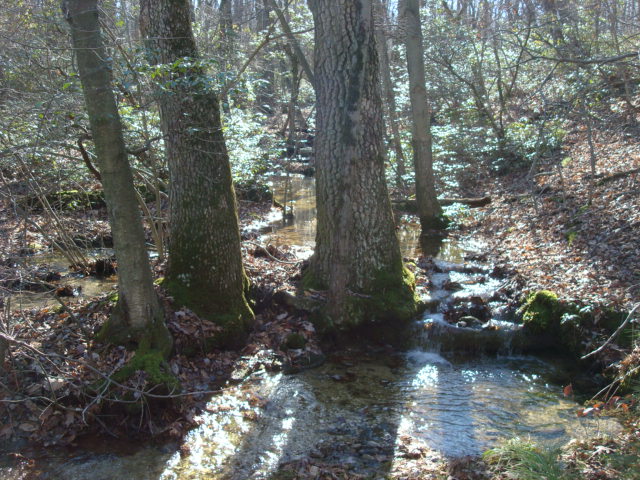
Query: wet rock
65, 291
469, 307
452, 286
305, 361
471, 321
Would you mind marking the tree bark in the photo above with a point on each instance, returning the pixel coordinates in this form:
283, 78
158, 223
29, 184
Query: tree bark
429, 209
138, 315
357, 256
389, 95
205, 271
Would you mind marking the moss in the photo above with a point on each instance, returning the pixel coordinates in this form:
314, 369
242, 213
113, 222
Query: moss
541, 312
380, 312
117, 331
310, 281
235, 318
294, 341
232, 336
383, 313
395, 297
153, 364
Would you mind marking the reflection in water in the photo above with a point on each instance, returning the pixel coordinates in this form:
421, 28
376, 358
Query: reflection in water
84, 286
301, 201
462, 408
300, 231
354, 415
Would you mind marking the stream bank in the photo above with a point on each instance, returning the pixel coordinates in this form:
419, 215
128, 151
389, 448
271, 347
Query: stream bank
362, 413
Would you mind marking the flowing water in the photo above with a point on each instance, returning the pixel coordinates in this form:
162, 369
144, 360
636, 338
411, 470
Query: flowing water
358, 409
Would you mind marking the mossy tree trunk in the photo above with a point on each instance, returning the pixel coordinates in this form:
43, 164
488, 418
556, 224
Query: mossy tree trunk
205, 271
138, 315
357, 256
429, 209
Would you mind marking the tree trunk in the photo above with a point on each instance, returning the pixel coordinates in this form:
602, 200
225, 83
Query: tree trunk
429, 209
357, 256
226, 49
389, 95
293, 41
265, 90
205, 271
138, 315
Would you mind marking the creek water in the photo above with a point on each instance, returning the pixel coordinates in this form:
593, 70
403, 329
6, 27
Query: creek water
83, 286
359, 409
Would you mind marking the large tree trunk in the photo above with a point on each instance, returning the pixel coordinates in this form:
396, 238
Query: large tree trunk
357, 256
138, 315
429, 209
205, 271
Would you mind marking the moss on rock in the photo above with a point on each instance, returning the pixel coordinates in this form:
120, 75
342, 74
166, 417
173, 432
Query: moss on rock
294, 341
541, 312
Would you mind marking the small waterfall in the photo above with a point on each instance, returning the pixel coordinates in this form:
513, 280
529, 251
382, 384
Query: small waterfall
462, 317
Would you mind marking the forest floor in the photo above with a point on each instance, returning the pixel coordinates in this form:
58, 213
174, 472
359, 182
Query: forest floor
545, 233
562, 231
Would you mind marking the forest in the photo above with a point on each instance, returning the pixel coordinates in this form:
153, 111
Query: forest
321, 239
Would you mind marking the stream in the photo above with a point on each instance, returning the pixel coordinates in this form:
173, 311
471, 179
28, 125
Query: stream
361, 409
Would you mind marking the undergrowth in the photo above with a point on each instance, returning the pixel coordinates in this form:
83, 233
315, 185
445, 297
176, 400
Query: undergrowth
524, 460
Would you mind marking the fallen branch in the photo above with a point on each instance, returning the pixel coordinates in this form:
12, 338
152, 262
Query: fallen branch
615, 176
412, 206
269, 253
615, 334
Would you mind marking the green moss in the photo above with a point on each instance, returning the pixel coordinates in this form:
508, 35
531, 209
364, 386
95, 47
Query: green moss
541, 312
117, 331
384, 312
233, 334
395, 297
294, 341
571, 236
235, 317
310, 281
153, 364
380, 311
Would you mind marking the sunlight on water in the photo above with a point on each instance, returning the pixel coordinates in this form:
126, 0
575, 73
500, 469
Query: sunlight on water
453, 406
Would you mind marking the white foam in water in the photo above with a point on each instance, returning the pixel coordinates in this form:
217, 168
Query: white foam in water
420, 357
437, 318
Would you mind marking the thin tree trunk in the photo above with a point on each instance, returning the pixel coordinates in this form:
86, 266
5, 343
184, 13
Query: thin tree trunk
205, 271
295, 45
429, 209
357, 256
389, 105
138, 315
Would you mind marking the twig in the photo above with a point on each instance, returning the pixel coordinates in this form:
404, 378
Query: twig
615, 334
269, 253
143, 393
